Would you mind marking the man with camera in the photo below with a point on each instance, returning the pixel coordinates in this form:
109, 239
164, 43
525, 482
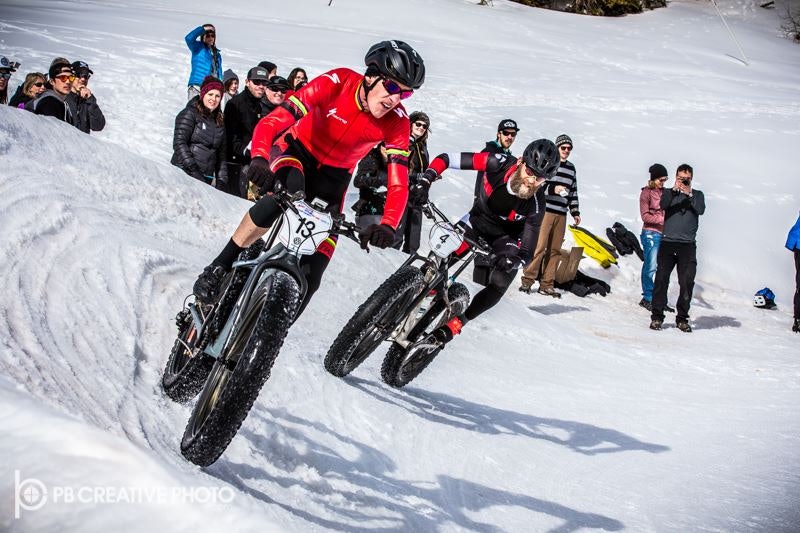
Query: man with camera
682, 207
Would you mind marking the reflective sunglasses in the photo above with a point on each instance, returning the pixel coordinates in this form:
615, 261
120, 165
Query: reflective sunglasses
5, 75
421, 125
64, 78
511, 133
277, 89
393, 88
530, 172
565, 147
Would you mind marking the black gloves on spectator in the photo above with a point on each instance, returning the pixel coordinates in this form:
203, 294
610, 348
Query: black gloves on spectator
419, 192
260, 174
378, 235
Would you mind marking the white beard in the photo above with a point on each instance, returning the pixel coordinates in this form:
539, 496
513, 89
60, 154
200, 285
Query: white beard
519, 185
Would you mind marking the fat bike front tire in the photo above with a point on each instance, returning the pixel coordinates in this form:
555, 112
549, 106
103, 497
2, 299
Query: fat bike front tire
375, 320
236, 379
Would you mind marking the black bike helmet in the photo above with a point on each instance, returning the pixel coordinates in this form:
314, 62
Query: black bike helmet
542, 158
398, 61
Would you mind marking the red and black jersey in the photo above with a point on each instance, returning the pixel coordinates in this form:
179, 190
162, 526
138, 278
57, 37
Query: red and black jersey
497, 211
327, 118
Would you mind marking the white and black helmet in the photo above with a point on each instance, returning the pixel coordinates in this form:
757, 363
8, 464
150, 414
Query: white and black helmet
398, 61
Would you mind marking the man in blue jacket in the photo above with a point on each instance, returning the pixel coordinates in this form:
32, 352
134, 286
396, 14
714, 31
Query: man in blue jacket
793, 244
206, 58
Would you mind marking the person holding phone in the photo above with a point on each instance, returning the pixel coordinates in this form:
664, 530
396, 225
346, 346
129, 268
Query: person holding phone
682, 205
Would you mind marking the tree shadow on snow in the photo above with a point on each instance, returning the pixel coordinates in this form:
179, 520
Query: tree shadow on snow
583, 438
714, 322
358, 493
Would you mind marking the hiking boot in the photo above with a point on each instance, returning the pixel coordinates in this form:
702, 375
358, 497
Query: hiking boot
646, 304
549, 292
526, 290
684, 326
207, 285
669, 309
655, 324
796, 325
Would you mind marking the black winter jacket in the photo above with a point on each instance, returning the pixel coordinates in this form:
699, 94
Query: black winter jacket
20, 98
371, 175
199, 144
86, 114
242, 113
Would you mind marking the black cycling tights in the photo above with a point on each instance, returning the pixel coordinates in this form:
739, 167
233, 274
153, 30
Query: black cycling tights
491, 294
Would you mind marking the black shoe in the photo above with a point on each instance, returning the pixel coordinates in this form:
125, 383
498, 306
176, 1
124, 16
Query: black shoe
526, 290
207, 285
656, 324
669, 309
647, 305
684, 326
796, 325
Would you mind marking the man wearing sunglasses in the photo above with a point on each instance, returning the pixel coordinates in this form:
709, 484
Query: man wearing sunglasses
276, 92
52, 103
312, 143
506, 214
6, 69
241, 116
506, 135
82, 104
206, 59
561, 195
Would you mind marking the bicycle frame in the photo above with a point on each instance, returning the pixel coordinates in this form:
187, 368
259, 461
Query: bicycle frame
435, 270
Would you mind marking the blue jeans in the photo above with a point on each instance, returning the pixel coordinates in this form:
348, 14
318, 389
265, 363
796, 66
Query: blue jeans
651, 240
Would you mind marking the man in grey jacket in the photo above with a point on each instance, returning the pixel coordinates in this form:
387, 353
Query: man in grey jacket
682, 206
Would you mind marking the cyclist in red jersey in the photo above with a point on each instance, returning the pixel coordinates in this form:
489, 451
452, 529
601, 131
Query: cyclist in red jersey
312, 143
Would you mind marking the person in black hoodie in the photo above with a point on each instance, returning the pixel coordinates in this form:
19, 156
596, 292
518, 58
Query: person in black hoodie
82, 104
199, 140
51, 103
242, 113
506, 135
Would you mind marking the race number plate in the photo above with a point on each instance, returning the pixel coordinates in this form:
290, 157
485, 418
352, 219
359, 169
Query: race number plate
304, 231
444, 240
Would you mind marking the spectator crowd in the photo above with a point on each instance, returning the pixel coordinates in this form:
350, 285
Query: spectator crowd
212, 143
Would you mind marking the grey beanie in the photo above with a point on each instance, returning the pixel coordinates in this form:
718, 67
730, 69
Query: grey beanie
229, 75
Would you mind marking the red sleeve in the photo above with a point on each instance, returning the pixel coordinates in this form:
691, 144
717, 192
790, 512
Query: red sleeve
463, 161
313, 95
397, 151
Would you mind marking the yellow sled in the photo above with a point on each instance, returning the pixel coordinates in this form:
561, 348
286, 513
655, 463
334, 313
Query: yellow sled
598, 249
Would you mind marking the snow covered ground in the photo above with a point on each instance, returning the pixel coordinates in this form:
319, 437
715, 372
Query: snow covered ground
544, 415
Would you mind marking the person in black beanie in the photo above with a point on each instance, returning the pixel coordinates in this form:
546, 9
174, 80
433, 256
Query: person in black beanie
683, 206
